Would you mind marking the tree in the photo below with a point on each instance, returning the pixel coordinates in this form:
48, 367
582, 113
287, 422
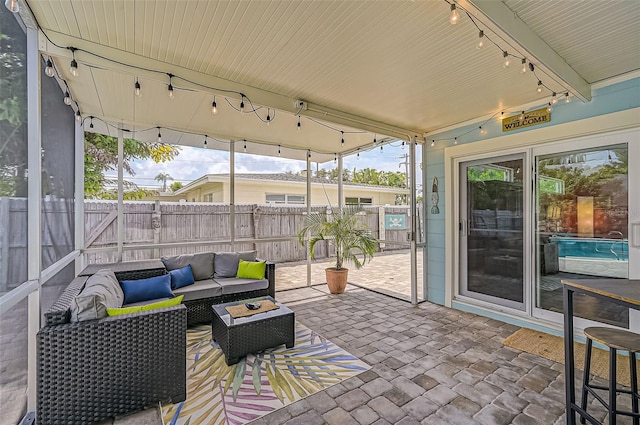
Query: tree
163, 177
101, 155
176, 186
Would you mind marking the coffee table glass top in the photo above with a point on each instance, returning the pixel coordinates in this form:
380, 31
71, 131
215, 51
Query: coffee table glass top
230, 321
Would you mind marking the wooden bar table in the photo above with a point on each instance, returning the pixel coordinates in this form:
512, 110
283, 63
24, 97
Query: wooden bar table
624, 292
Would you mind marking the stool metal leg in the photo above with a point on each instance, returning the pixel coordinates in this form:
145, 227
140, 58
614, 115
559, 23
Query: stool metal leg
585, 379
634, 386
612, 386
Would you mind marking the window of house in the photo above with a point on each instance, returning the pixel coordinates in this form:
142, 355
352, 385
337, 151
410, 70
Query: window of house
208, 197
358, 201
285, 199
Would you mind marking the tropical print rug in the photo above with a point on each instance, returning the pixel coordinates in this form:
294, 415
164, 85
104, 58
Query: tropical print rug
259, 384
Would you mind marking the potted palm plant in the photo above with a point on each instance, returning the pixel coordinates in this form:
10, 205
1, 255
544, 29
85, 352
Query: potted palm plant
350, 237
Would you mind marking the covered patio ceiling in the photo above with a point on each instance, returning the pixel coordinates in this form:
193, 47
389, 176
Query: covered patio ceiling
390, 68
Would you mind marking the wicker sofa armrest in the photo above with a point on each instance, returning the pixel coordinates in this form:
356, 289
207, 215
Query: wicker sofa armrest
139, 274
270, 275
92, 370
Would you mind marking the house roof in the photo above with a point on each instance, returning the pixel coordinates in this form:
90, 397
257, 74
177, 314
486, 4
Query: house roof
392, 68
282, 177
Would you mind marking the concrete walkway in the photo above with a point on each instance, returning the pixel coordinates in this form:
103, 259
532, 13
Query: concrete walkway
430, 365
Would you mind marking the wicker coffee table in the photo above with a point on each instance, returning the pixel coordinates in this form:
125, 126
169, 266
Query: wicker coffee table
244, 335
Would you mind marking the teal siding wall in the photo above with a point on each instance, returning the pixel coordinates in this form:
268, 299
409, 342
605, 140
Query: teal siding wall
613, 98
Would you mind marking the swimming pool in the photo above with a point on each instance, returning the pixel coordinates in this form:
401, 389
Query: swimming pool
593, 256
611, 249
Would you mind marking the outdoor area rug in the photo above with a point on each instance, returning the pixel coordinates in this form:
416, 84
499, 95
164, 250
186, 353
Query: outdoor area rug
258, 384
552, 347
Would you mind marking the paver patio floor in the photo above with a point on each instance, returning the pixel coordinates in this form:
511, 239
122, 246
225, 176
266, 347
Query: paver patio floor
430, 365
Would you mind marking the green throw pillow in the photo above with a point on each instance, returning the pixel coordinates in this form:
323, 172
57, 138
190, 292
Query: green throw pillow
251, 269
138, 308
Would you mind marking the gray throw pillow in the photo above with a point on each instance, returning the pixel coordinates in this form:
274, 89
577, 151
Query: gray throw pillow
201, 264
227, 262
102, 290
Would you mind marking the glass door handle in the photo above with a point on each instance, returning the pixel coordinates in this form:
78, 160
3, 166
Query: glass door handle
635, 234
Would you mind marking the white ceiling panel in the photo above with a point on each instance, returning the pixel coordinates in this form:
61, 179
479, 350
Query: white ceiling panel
398, 65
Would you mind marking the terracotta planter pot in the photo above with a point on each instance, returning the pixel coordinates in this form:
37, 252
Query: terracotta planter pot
336, 279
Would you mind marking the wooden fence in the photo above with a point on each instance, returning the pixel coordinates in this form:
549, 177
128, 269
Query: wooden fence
148, 223
164, 223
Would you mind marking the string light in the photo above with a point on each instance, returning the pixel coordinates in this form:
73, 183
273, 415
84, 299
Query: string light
214, 106
170, 86
48, 69
242, 105
78, 116
342, 139
73, 68
278, 150
539, 89
299, 125
335, 158
91, 122
12, 5
245, 147
308, 153
521, 117
269, 121
455, 140
358, 154
524, 66
505, 55
205, 141
67, 98
481, 42
136, 88
566, 98
433, 142
159, 136
554, 98
374, 140
381, 149
549, 107
454, 17
482, 131
501, 115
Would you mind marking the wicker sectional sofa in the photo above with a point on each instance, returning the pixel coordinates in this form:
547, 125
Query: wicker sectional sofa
91, 370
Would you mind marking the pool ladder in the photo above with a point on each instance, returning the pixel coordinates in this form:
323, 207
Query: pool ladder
611, 250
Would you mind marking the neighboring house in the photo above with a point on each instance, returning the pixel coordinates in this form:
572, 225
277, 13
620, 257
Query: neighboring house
283, 188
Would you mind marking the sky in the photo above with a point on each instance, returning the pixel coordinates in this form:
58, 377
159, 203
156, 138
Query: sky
193, 163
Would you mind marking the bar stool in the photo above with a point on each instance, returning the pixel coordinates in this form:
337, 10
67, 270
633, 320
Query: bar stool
615, 339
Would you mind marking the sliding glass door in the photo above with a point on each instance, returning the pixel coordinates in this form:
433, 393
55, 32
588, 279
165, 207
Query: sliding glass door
491, 230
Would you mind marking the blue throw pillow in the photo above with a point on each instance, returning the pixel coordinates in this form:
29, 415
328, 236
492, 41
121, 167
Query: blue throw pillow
181, 277
147, 289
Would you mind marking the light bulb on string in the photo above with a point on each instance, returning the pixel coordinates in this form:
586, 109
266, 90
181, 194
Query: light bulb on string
566, 98
501, 115
374, 140
12, 6
205, 141
268, 118
539, 89
78, 116
521, 117
481, 41
48, 69
279, 150
91, 122
549, 107
136, 88
342, 138
335, 158
214, 106
455, 140
299, 125
308, 153
242, 105
524, 66
245, 147
381, 149
159, 136
506, 62
482, 131
73, 67
433, 142
170, 87
454, 16
554, 98
358, 154
67, 98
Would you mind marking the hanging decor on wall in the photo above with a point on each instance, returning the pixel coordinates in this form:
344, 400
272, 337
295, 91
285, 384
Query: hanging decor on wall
434, 196
528, 119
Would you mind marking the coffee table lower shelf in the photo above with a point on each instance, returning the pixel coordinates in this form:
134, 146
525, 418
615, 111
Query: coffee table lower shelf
247, 335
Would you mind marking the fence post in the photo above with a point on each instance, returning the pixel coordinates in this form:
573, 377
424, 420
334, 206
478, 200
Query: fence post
4, 243
156, 224
382, 235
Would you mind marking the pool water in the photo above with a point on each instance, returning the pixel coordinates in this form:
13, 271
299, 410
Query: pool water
611, 249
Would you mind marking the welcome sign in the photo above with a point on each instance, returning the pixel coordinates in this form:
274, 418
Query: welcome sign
531, 118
